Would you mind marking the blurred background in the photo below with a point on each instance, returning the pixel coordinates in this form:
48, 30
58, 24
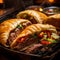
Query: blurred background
19, 3
11, 7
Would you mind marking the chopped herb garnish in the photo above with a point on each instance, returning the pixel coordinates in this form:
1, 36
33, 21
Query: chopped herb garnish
51, 40
20, 26
35, 35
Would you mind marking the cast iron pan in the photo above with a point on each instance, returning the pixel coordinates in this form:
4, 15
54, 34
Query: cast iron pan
16, 54
12, 53
21, 55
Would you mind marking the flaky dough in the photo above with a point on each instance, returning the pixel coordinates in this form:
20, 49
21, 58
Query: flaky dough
32, 29
38, 16
7, 26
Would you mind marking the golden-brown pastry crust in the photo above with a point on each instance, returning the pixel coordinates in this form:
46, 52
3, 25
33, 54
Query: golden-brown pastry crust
7, 26
54, 20
32, 29
38, 16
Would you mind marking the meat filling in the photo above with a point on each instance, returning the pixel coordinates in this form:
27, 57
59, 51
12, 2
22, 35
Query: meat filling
43, 38
31, 18
24, 42
13, 34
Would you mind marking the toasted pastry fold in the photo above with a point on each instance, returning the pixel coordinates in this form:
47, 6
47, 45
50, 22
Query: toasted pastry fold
32, 29
54, 20
7, 26
38, 16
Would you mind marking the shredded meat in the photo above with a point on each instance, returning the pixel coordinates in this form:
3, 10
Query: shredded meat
32, 43
13, 34
25, 43
33, 48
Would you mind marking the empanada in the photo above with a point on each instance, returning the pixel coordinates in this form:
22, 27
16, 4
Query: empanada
34, 34
10, 29
33, 16
54, 20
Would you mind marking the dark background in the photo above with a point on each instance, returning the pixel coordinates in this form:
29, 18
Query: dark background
10, 3
21, 5
25, 3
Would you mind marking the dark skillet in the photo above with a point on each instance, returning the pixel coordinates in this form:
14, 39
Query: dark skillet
12, 53
16, 54
21, 55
